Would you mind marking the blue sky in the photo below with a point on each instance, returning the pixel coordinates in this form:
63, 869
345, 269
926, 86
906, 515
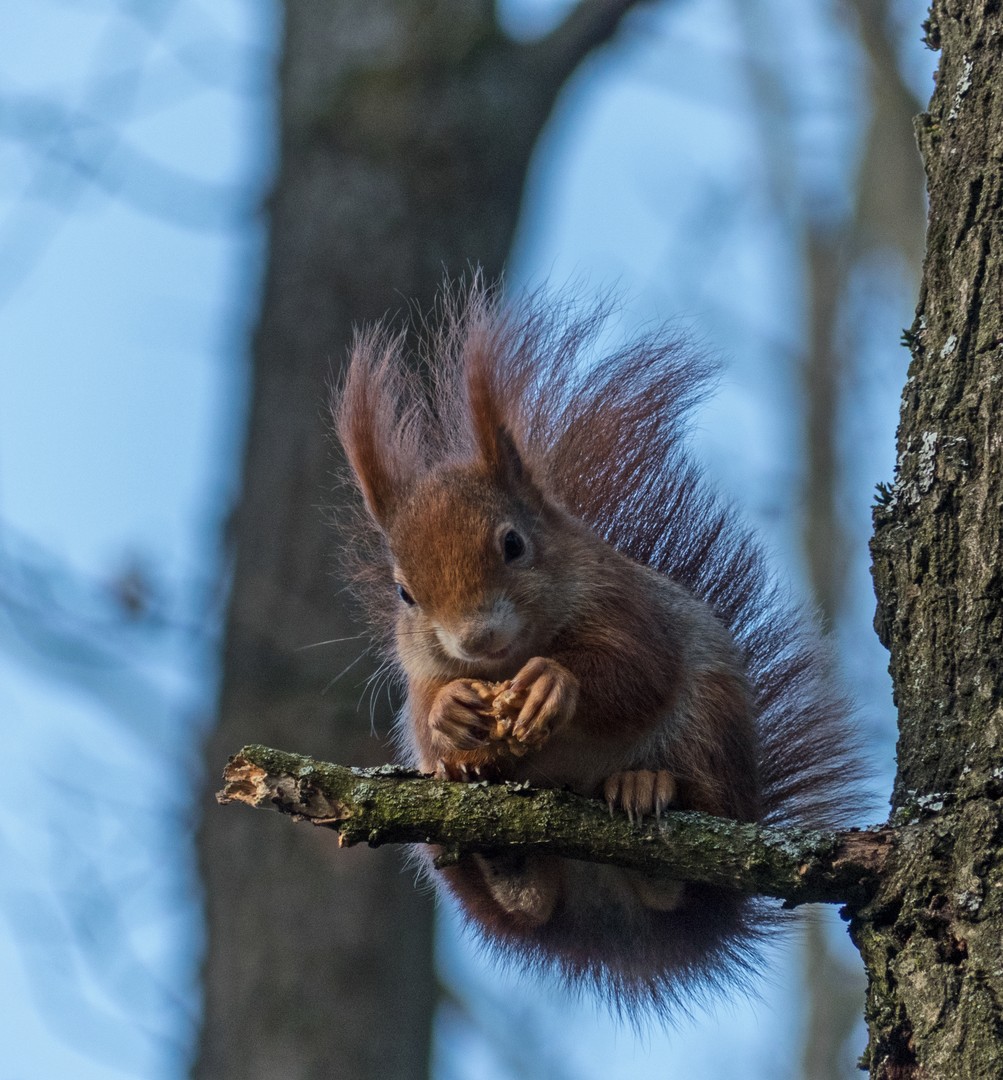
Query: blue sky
135, 144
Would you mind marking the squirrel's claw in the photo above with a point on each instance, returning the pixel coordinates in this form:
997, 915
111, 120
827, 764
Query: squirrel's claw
640, 792
465, 772
446, 770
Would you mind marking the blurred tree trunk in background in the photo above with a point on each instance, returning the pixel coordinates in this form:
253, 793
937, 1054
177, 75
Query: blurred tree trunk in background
883, 232
405, 131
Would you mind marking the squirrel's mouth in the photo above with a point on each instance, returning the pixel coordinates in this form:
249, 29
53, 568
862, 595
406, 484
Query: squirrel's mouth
491, 644
490, 659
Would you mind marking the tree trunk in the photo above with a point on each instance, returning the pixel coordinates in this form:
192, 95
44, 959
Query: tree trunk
405, 133
931, 938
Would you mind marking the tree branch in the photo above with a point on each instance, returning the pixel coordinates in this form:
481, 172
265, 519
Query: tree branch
393, 805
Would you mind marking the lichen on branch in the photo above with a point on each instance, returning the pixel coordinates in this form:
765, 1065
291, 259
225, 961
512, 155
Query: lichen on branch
393, 805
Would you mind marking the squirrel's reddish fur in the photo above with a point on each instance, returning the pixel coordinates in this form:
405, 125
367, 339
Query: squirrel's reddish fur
540, 522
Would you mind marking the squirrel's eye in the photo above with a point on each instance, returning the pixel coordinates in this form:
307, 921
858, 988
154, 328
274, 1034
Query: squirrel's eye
405, 595
513, 546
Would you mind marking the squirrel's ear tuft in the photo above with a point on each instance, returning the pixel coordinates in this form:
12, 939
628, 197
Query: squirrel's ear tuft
488, 393
377, 426
504, 460
507, 467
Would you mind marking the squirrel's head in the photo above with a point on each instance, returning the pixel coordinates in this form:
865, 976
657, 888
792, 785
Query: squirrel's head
482, 554
468, 556
477, 568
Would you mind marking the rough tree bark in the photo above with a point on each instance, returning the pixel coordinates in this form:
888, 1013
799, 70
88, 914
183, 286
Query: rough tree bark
405, 134
932, 938
928, 918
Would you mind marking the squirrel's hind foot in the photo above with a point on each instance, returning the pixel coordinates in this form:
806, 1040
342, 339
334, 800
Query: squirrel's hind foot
524, 886
640, 792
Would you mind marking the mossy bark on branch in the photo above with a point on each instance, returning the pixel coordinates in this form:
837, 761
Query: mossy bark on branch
389, 805
932, 937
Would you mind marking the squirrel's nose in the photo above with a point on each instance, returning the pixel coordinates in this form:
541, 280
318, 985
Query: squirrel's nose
478, 640
484, 635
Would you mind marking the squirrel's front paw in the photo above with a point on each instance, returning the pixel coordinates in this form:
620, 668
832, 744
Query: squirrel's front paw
549, 697
457, 718
466, 769
641, 792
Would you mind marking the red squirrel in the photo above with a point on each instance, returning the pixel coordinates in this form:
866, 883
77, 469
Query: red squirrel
535, 533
